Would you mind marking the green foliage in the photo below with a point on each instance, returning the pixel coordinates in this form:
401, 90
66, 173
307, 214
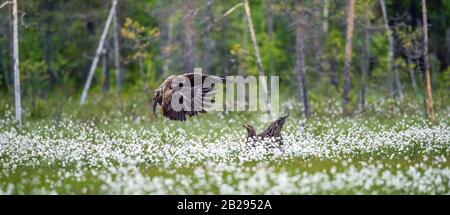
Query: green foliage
58, 41
379, 49
140, 36
334, 45
34, 77
271, 50
446, 80
364, 10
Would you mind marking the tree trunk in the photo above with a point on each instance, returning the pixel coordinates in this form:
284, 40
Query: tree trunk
98, 52
116, 38
251, 30
17, 99
270, 33
365, 67
189, 52
396, 87
348, 52
426, 63
300, 58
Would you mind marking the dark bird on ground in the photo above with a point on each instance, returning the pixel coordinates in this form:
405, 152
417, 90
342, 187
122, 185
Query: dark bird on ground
192, 94
272, 133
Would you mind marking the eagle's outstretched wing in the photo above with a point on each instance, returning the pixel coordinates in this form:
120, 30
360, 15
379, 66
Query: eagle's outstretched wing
192, 93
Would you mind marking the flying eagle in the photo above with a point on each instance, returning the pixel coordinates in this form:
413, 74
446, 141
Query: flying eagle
272, 132
192, 92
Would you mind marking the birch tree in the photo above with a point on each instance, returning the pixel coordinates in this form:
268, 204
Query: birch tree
426, 62
270, 32
348, 52
259, 64
15, 47
251, 29
98, 52
17, 99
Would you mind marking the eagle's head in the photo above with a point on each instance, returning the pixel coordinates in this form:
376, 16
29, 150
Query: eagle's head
250, 130
159, 92
280, 121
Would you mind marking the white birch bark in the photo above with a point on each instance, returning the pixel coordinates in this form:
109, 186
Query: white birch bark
251, 29
17, 99
98, 52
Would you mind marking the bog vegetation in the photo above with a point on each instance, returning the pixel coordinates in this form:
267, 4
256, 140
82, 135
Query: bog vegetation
366, 84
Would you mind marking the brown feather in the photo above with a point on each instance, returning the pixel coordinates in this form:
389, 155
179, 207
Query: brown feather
272, 131
165, 92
